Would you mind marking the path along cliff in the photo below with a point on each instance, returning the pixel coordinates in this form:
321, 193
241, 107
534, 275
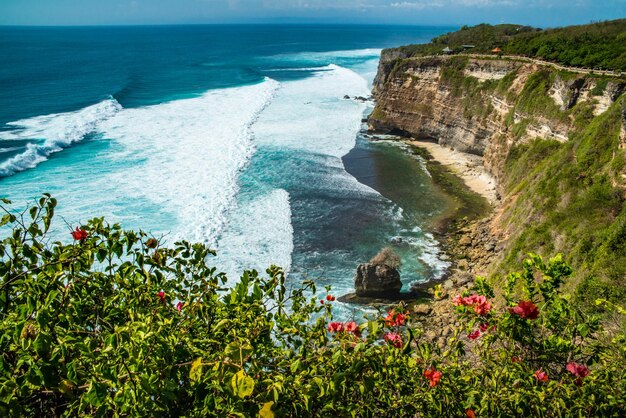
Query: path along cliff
553, 139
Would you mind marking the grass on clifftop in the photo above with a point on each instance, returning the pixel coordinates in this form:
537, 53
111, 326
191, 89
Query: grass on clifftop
599, 45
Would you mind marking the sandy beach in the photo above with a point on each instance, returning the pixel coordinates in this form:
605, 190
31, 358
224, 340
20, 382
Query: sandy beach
468, 167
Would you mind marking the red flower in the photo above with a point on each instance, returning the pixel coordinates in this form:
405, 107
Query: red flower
470, 413
351, 327
395, 319
483, 327
541, 375
161, 296
516, 359
179, 306
433, 376
79, 234
578, 370
335, 327
321, 301
526, 309
330, 298
457, 300
394, 339
474, 335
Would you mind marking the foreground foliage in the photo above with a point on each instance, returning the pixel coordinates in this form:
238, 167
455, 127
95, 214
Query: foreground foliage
115, 324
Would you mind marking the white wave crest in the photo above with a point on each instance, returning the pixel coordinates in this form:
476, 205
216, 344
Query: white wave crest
322, 68
259, 234
310, 116
55, 132
186, 155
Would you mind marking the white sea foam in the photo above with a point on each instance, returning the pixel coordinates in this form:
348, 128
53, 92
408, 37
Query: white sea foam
309, 114
259, 234
325, 57
321, 68
188, 154
53, 132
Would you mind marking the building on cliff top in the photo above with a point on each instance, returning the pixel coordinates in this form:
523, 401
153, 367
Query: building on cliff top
447, 50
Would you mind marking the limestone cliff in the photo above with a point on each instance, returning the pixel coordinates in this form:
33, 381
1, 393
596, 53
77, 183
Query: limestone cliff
553, 138
483, 106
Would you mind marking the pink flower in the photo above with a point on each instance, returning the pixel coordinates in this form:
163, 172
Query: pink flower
474, 335
482, 308
179, 306
330, 298
578, 370
79, 234
161, 296
394, 339
335, 327
433, 376
351, 327
526, 309
479, 302
541, 376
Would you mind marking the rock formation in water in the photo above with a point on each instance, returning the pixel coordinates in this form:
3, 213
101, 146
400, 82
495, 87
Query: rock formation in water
377, 281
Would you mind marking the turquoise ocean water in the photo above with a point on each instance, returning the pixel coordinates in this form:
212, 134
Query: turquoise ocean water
237, 136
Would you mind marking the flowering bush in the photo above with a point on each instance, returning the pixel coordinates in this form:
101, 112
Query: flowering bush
115, 324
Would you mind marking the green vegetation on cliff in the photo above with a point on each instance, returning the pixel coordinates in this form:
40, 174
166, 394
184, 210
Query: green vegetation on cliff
567, 197
599, 45
571, 196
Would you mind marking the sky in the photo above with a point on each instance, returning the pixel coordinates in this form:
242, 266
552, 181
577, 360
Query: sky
541, 13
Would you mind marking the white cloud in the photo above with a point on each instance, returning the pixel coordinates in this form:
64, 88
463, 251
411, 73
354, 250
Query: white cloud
386, 4
417, 5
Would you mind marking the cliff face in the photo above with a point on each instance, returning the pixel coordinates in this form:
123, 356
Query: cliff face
482, 106
554, 140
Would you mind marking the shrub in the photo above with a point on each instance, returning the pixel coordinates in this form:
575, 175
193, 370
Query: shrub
115, 324
387, 256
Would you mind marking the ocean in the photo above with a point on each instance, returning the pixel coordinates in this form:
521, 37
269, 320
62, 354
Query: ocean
236, 136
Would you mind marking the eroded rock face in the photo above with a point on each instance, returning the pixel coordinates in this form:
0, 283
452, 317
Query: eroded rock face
441, 99
378, 281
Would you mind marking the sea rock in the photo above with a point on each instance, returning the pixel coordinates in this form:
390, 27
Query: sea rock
465, 241
373, 280
422, 309
462, 278
396, 240
448, 284
463, 264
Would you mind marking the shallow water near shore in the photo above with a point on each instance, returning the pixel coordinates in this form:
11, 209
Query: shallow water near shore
254, 152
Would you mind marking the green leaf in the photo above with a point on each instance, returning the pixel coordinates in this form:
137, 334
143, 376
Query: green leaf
238, 352
242, 384
195, 373
266, 411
